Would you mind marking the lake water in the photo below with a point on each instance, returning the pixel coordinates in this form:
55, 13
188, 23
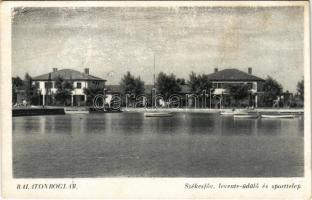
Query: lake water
128, 144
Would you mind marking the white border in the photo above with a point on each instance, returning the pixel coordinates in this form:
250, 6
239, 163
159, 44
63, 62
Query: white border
141, 187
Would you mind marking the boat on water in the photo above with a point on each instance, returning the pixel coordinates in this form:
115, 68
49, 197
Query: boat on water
250, 115
227, 113
282, 114
239, 113
158, 114
274, 116
76, 111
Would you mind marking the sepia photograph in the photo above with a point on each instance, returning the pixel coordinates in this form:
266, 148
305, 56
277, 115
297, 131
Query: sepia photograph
159, 91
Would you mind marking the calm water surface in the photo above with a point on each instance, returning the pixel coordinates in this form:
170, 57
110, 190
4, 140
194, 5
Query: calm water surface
128, 144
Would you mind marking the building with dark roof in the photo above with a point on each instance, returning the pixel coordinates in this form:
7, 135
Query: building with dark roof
221, 81
80, 80
224, 78
68, 74
233, 75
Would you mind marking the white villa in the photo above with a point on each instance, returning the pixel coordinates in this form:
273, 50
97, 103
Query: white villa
81, 80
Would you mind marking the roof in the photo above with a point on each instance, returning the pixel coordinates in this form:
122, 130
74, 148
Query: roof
232, 75
68, 74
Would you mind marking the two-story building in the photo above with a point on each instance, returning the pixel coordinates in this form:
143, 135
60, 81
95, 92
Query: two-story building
221, 79
218, 94
80, 80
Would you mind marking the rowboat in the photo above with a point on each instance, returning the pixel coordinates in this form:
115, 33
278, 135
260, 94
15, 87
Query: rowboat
278, 116
76, 111
227, 113
239, 113
158, 114
250, 115
233, 112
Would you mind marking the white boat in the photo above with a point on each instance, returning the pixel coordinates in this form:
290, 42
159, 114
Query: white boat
278, 116
227, 113
237, 112
158, 114
252, 115
76, 111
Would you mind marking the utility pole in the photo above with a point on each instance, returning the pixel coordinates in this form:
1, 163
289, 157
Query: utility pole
154, 70
154, 88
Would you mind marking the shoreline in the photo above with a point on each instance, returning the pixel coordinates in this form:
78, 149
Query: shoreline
208, 110
61, 110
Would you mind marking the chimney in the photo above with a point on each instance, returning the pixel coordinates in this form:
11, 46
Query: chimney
86, 70
215, 69
249, 70
54, 69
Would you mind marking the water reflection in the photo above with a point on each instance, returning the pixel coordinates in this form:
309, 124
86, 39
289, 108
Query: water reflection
43, 124
163, 125
98, 124
62, 124
128, 123
136, 123
201, 123
287, 127
28, 125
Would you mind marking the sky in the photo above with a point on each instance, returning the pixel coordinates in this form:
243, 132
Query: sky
112, 41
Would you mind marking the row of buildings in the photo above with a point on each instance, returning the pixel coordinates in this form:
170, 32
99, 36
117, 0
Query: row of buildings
220, 81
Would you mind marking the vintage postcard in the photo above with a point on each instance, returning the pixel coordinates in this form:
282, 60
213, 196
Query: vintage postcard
154, 100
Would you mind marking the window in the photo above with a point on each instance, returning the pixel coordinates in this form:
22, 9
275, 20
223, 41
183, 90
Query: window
79, 85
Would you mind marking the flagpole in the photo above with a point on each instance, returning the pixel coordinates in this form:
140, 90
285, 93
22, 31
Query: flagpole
154, 84
154, 70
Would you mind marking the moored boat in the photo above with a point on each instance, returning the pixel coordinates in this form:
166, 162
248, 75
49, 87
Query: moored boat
278, 116
250, 115
76, 111
233, 112
158, 114
241, 113
227, 113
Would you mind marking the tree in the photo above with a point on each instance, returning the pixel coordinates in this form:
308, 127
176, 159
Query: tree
48, 91
300, 89
17, 83
181, 81
64, 89
91, 92
272, 90
167, 85
238, 92
30, 89
27, 86
199, 83
131, 85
